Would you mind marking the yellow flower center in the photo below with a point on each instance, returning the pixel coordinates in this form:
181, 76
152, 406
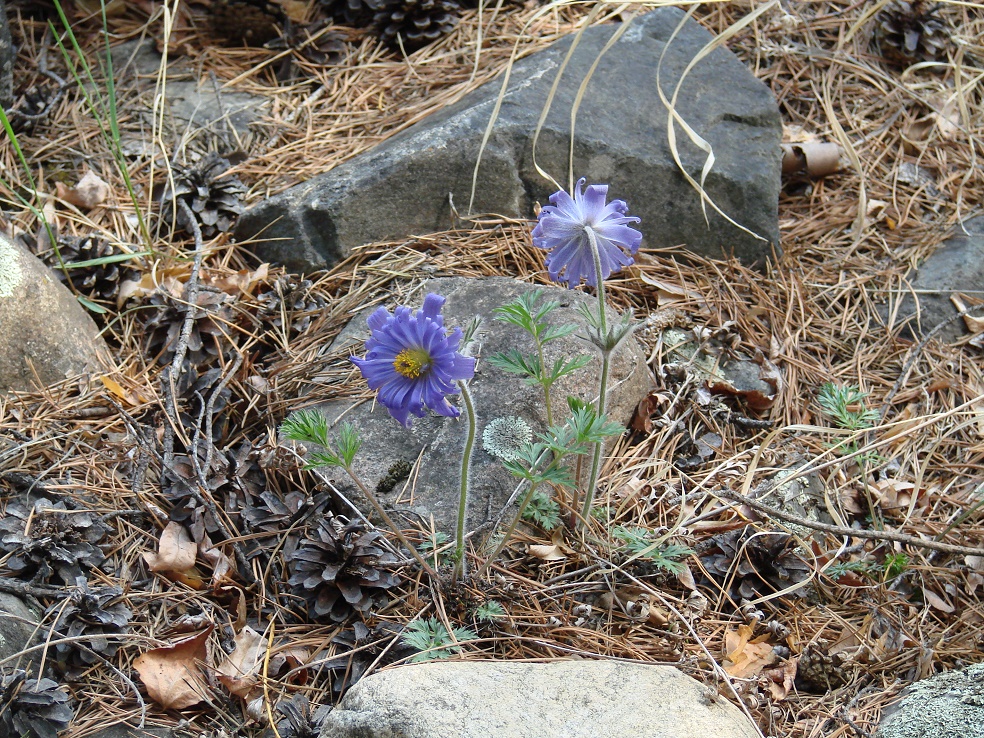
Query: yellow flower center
412, 362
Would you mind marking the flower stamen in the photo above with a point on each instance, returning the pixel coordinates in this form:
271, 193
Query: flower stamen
412, 362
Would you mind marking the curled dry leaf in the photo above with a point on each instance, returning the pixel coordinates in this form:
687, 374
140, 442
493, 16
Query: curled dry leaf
87, 194
815, 158
557, 550
173, 674
746, 656
239, 671
779, 680
175, 557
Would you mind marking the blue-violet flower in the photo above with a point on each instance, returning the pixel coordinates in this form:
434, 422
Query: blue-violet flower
562, 231
412, 362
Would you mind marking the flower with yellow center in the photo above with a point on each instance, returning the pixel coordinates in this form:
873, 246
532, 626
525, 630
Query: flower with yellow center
412, 362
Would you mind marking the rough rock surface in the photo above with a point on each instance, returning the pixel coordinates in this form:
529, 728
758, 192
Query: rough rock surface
496, 394
950, 704
401, 187
194, 105
18, 628
564, 699
6, 60
957, 266
47, 335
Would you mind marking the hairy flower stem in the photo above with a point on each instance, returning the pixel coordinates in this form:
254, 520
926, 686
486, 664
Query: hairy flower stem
589, 491
460, 564
546, 387
389, 522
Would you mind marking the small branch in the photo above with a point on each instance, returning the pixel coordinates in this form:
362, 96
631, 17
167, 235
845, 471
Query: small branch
24, 589
875, 535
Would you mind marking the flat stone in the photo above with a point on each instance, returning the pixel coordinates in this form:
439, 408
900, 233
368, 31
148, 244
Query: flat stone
402, 186
18, 628
564, 699
956, 266
950, 704
47, 335
439, 441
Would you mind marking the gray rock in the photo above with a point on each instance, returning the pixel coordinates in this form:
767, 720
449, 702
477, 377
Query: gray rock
564, 699
18, 628
199, 106
6, 60
496, 394
957, 266
47, 335
949, 704
401, 187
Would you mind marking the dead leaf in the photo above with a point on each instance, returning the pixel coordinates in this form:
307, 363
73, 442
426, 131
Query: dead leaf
173, 674
746, 657
175, 557
937, 602
668, 293
780, 680
547, 553
242, 281
87, 194
962, 302
239, 671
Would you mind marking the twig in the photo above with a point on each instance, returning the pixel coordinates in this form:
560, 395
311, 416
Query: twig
875, 535
24, 589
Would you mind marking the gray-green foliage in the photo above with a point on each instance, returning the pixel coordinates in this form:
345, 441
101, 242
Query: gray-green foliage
311, 426
432, 639
837, 401
489, 611
639, 543
543, 510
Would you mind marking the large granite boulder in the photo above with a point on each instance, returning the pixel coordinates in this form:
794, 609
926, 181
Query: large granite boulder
564, 699
47, 336
949, 704
402, 186
438, 441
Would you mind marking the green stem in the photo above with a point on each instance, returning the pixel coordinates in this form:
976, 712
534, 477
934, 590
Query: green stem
546, 387
389, 522
460, 566
589, 491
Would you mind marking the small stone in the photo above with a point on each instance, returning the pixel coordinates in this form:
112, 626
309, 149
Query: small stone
956, 266
406, 184
564, 699
47, 335
18, 628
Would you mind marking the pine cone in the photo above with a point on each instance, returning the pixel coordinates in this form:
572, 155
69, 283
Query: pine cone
356, 13
755, 565
208, 334
94, 613
250, 22
215, 201
48, 543
275, 516
909, 32
339, 567
296, 719
415, 23
327, 48
291, 302
32, 707
99, 282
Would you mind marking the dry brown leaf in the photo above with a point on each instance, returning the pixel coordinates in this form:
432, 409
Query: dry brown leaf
937, 602
87, 194
239, 671
547, 552
242, 281
746, 657
175, 550
173, 674
780, 679
962, 302
669, 293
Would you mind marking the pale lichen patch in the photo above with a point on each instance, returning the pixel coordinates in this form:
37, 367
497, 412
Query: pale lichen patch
10, 269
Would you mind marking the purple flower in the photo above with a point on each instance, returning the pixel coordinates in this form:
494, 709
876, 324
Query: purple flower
562, 230
412, 362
